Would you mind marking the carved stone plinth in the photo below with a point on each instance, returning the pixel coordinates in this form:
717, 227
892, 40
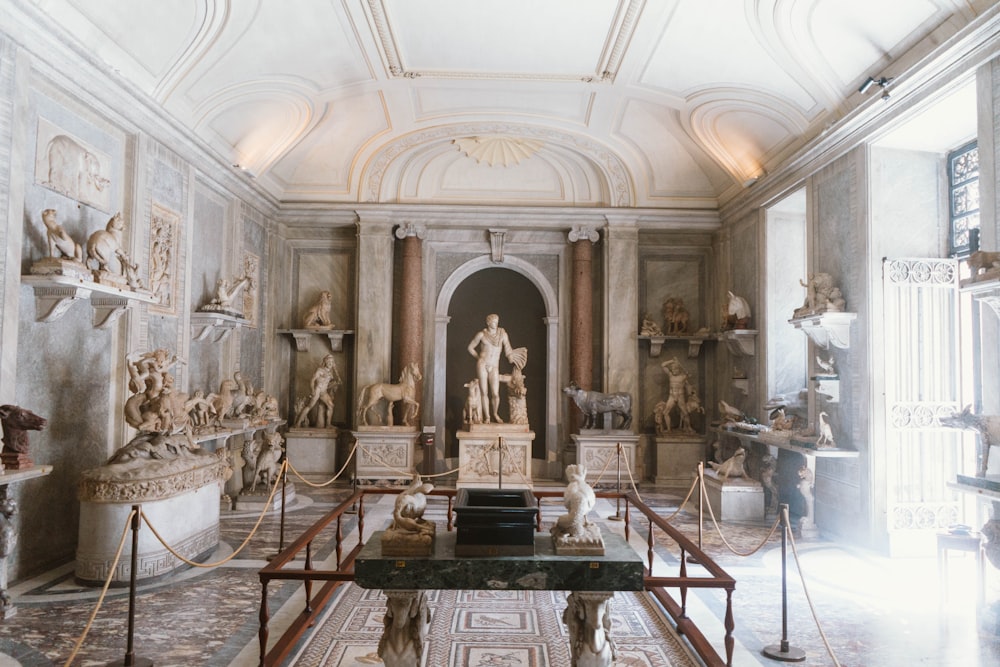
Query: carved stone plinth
385, 454
492, 455
312, 450
734, 499
408, 544
597, 450
257, 501
677, 459
57, 266
16, 461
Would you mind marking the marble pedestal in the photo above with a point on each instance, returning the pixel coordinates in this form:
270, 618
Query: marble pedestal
734, 499
257, 501
312, 450
8, 510
598, 452
385, 454
677, 459
480, 455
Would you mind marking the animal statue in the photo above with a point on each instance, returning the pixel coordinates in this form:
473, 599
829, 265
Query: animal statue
409, 507
73, 170
266, 469
982, 261
318, 315
405, 624
105, 245
223, 401
730, 413
588, 620
692, 406
578, 499
60, 243
731, 467
593, 403
472, 413
405, 391
988, 428
825, 432
675, 316
16, 423
737, 314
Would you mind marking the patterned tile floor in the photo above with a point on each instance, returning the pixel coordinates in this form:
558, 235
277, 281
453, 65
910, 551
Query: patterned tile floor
873, 611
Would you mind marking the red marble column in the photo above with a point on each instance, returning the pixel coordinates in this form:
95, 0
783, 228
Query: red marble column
581, 351
411, 306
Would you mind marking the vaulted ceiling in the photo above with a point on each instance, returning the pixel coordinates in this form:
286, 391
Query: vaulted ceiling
647, 103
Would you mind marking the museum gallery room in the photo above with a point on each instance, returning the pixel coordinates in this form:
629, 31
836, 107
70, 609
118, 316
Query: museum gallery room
500, 333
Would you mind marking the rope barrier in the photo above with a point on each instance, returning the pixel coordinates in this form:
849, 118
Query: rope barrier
805, 589
510, 456
233, 555
104, 591
685, 501
711, 513
329, 481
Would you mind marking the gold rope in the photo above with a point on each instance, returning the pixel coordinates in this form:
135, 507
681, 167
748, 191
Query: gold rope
711, 513
329, 481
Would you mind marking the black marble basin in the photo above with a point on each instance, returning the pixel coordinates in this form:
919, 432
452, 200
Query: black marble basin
495, 522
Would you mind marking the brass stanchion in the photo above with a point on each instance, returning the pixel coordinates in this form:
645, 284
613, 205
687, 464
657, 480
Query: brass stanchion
499, 462
701, 508
617, 516
130, 660
783, 651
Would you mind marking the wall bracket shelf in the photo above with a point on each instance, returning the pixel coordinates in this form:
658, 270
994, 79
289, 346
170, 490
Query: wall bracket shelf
214, 326
694, 343
302, 336
826, 329
741, 342
55, 294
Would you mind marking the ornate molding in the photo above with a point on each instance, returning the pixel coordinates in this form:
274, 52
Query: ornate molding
417, 229
920, 415
153, 480
496, 245
581, 232
924, 272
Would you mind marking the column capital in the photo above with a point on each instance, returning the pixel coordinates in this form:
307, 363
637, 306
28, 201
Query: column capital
406, 229
581, 232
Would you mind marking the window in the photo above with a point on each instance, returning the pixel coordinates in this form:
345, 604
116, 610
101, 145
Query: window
963, 198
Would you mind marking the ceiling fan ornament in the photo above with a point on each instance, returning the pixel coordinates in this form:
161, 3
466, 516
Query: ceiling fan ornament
498, 150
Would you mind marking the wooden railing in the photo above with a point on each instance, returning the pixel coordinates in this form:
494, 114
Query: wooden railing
280, 568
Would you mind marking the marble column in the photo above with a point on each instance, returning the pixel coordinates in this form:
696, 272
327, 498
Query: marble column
411, 297
988, 113
621, 306
581, 350
374, 319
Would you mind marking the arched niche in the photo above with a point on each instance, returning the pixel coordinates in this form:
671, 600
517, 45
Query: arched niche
528, 308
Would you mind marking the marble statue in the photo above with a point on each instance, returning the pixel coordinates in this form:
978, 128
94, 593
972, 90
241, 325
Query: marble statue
807, 524
730, 413
780, 422
573, 533
486, 347
16, 422
251, 448
649, 327
821, 296
226, 292
61, 244
768, 466
675, 316
200, 410
154, 406
517, 393
268, 463
323, 388
410, 534
405, 391
988, 428
826, 366
222, 401
733, 467
104, 246
737, 314
594, 403
588, 621
681, 398
472, 412
318, 315
825, 440
405, 624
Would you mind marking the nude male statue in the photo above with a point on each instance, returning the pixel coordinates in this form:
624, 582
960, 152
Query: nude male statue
324, 384
491, 341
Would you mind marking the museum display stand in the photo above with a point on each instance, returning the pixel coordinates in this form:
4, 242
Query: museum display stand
734, 498
8, 478
491, 455
385, 454
54, 294
312, 450
826, 329
301, 337
597, 451
677, 459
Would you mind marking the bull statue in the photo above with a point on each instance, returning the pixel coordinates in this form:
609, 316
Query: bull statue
594, 403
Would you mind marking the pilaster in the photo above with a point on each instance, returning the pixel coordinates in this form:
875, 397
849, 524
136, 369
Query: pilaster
621, 278
374, 318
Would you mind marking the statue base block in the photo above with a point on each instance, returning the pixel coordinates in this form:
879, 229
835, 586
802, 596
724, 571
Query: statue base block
58, 266
312, 450
385, 452
402, 543
589, 544
16, 461
677, 457
734, 499
480, 456
257, 501
597, 451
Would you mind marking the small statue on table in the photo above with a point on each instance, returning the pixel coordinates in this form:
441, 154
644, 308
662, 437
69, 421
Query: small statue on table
410, 534
573, 534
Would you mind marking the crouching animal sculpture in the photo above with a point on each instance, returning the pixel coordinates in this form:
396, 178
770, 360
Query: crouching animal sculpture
588, 620
988, 428
406, 622
268, 463
593, 403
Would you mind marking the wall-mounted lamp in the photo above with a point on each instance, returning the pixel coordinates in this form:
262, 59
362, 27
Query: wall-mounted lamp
881, 83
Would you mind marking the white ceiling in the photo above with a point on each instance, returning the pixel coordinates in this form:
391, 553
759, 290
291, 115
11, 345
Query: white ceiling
648, 103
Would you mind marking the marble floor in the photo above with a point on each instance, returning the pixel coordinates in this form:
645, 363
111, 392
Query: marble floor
873, 611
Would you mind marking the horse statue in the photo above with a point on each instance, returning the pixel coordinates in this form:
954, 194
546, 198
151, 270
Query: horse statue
16, 423
405, 391
593, 403
737, 315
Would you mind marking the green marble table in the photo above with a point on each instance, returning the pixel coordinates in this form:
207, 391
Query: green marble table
591, 580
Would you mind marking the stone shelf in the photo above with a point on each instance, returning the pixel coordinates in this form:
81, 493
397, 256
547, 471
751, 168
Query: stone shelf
302, 336
694, 342
826, 329
741, 342
217, 326
12, 476
990, 494
984, 291
791, 444
54, 294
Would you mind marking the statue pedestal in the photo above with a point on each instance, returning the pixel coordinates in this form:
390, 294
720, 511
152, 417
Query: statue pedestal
385, 454
312, 450
479, 456
598, 451
677, 459
257, 501
734, 499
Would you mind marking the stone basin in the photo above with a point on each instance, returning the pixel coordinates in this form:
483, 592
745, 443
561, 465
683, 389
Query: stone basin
495, 522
